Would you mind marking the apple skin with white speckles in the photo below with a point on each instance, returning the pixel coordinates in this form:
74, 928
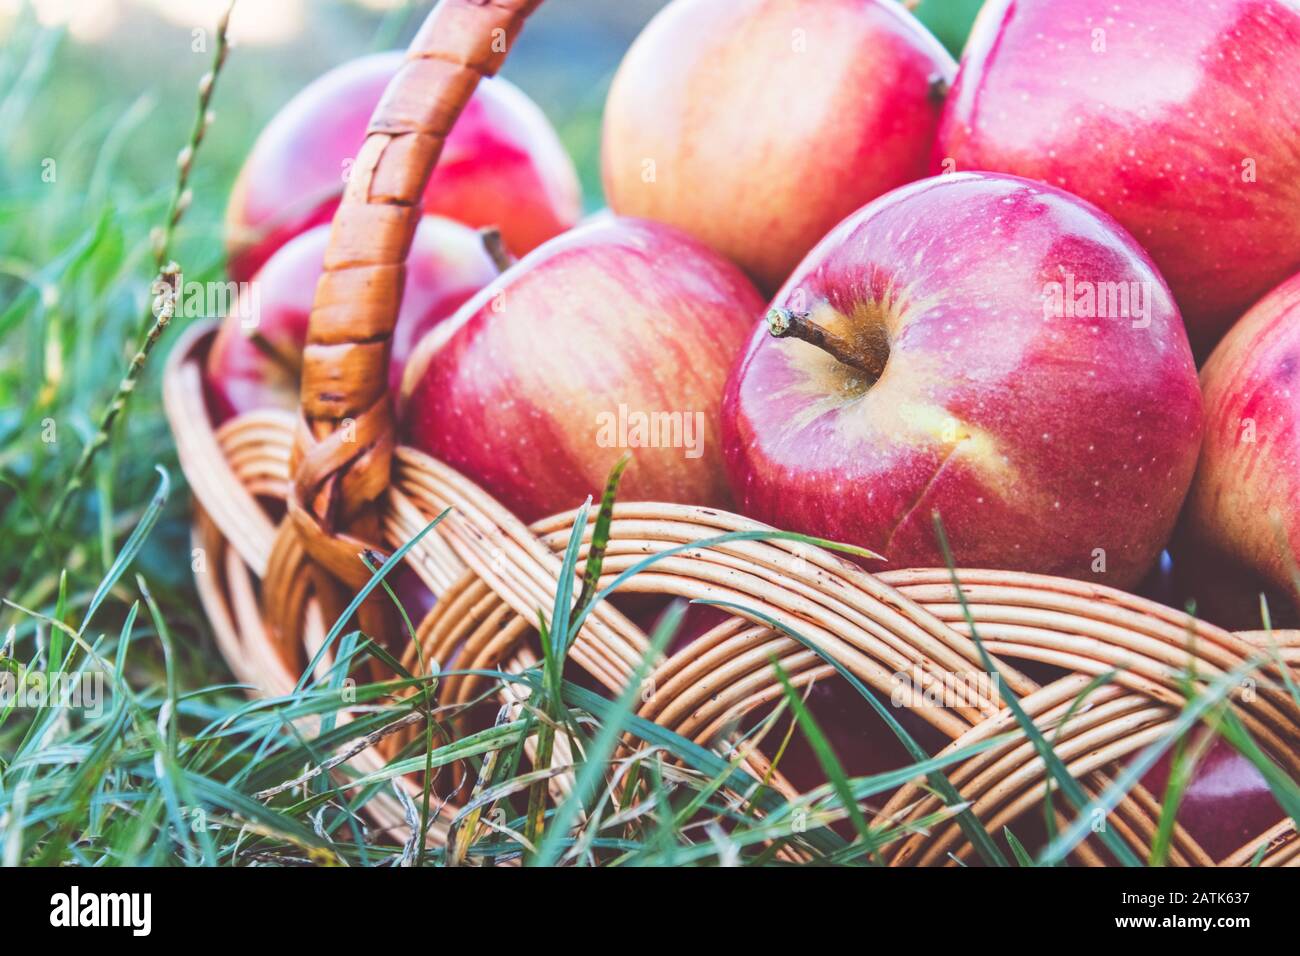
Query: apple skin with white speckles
1050, 443
1245, 500
522, 389
1177, 117
757, 125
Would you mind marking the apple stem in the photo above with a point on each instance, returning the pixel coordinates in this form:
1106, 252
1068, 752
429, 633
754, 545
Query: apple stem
783, 324
496, 248
939, 89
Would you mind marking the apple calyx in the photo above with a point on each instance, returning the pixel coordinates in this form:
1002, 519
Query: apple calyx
784, 323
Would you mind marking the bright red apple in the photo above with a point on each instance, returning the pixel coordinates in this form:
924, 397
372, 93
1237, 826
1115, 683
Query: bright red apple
502, 165
991, 348
757, 125
1245, 500
615, 337
256, 356
1177, 117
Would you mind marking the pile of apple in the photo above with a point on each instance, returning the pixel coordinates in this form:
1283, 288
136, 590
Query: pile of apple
881, 283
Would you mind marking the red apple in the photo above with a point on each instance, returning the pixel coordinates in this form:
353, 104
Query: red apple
1226, 804
1177, 117
256, 356
614, 337
994, 349
1245, 500
757, 125
502, 165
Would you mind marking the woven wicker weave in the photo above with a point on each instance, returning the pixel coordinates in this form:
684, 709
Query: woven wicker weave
269, 588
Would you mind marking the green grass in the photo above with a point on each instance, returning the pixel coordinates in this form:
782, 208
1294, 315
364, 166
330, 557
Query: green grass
179, 767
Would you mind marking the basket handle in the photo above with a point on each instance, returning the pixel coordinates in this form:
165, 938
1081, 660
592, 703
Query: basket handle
343, 448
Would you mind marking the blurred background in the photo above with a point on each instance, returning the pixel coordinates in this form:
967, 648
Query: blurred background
128, 66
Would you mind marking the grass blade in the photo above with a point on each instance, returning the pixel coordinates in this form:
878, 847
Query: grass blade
593, 768
1054, 767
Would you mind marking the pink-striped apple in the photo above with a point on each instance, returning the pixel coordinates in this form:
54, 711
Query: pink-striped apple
757, 125
1177, 117
1245, 501
255, 359
984, 346
615, 336
502, 165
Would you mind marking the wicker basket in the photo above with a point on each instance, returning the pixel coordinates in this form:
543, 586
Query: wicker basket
270, 586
